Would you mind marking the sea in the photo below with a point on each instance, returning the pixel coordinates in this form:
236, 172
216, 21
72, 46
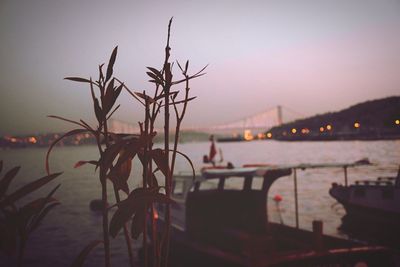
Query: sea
72, 225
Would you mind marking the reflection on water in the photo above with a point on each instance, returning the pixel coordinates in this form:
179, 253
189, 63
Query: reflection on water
72, 225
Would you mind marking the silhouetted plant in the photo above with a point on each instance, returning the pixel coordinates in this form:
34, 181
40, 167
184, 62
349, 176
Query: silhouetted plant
118, 150
17, 223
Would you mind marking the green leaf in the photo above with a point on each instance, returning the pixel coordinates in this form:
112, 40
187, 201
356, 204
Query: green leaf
111, 63
80, 259
5, 182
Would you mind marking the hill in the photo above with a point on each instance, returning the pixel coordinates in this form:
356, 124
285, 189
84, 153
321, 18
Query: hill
371, 120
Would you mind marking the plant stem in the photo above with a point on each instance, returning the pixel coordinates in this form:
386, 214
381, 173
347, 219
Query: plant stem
145, 176
168, 178
103, 180
126, 232
104, 203
179, 119
105, 218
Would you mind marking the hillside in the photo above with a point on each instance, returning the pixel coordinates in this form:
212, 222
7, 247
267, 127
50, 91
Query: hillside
376, 119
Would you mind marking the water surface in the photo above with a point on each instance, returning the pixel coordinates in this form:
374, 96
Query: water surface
70, 226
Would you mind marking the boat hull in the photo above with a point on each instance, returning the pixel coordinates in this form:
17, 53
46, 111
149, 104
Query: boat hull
378, 224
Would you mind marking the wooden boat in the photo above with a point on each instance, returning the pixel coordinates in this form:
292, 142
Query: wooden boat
214, 224
373, 207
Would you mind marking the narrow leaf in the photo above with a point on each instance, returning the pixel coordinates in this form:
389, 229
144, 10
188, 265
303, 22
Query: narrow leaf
43, 210
110, 154
180, 67
145, 97
25, 190
83, 162
5, 182
138, 222
137, 200
126, 209
186, 66
73, 132
156, 72
41, 216
108, 97
101, 75
189, 161
29, 210
183, 101
98, 112
111, 63
160, 158
119, 175
67, 120
171, 93
78, 262
78, 79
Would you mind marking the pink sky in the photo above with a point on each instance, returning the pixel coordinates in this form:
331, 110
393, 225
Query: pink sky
311, 56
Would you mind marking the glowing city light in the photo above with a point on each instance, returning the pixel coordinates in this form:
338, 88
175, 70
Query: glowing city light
356, 125
305, 131
294, 130
248, 136
397, 122
32, 140
329, 127
269, 135
321, 129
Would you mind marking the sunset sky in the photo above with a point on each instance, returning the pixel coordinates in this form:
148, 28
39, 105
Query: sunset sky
310, 56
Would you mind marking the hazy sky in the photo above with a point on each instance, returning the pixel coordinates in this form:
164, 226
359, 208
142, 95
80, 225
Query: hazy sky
310, 56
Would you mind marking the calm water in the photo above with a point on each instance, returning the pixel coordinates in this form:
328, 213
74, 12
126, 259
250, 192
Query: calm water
69, 227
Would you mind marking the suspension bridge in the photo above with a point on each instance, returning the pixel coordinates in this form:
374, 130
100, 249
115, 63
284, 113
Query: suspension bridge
255, 123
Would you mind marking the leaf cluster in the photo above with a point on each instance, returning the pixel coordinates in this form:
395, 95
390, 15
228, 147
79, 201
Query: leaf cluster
18, 222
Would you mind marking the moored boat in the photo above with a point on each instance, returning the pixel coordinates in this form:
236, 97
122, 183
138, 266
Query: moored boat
215, 224
373, 207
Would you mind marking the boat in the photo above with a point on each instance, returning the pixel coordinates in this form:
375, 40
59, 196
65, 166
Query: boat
372, 209
216, 224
